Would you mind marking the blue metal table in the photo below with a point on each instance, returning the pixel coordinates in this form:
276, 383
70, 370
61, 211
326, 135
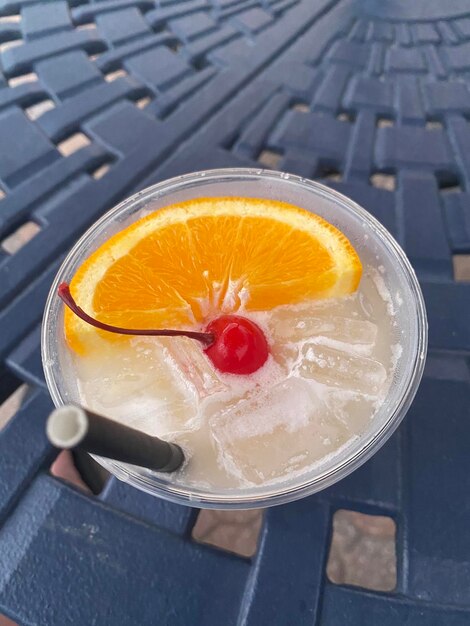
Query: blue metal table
371, 97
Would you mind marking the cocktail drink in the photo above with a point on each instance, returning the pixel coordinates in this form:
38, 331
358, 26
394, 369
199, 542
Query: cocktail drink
306, 324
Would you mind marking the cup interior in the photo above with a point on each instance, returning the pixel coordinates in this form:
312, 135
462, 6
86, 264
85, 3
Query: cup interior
375, 246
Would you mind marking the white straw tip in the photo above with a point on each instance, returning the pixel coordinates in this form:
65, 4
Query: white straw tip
66, 426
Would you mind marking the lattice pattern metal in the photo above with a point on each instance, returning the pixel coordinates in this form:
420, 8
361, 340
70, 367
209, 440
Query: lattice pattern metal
371, 97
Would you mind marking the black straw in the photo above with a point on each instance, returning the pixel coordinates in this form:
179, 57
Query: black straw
75, 427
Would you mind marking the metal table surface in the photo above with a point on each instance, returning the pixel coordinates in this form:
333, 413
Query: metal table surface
100, 99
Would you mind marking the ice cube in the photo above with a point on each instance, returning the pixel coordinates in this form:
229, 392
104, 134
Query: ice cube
278, 431
285, 354
346, 370
136, 385
344, 329
124, 371
318, 309
192, 366
354, 332
351, 407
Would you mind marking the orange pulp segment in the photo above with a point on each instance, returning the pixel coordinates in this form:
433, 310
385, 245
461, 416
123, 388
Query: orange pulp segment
182, 265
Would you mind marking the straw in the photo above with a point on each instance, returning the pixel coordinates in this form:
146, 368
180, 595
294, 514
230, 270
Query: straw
75, 427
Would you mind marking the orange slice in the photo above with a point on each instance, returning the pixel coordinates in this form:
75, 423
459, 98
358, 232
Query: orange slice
184, 264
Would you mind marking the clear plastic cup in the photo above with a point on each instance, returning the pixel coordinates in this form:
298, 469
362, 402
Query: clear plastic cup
375, 246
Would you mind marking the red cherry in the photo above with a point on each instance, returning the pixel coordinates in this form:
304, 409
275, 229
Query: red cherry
240, 346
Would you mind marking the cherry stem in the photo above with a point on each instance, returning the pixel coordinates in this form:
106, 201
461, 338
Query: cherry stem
64, 294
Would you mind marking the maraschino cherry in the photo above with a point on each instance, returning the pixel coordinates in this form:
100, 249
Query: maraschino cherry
239, 347
233, 343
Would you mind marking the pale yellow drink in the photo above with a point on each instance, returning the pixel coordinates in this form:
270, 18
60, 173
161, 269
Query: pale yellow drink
330, 368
